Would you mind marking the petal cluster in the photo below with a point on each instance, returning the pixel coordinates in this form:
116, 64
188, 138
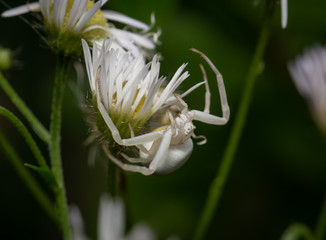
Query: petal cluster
130, 89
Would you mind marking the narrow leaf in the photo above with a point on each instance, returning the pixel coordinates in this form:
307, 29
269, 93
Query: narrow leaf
26, 135
45, 174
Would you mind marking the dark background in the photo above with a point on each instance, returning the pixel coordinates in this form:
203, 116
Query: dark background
279, 172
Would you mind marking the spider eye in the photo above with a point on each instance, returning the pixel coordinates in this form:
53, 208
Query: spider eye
188, 128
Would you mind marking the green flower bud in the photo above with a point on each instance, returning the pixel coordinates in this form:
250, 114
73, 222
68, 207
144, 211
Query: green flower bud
5, 59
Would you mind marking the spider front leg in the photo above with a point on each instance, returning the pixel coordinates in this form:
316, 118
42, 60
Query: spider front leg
205, 116
154, 164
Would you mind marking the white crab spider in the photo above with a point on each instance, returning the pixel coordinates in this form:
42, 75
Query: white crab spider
164, 151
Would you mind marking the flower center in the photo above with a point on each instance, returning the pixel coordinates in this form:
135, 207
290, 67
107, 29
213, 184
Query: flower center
67, 39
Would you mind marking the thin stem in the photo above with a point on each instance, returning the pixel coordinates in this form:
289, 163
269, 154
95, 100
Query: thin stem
321, 222
297, 231
112, 179
27, 178
27, 136
39, 129
55, 150
218, 183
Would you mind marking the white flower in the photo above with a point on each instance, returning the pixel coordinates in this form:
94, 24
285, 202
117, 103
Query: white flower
284, 12
138, 44
77, 224
68, 21
130, 90
309, 74
110, 223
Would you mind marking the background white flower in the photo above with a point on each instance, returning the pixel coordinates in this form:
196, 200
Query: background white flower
67, 21
110, 223
309, 74
284, 13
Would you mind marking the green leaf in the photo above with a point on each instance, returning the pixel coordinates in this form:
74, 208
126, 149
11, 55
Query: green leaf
28, 178
27, 136
47, 175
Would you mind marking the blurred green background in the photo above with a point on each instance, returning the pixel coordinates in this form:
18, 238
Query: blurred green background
279, 173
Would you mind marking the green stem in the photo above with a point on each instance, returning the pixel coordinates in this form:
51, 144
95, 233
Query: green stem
55, 150
218, 183
112, 179
297, 231
27, 136
321, 222
39, 129
27, 178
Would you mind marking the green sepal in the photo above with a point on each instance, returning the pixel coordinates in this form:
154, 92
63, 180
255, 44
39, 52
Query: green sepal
47, 176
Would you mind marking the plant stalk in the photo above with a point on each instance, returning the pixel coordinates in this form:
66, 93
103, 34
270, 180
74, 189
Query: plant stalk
37, 126
27, 178
217, 185
55, 150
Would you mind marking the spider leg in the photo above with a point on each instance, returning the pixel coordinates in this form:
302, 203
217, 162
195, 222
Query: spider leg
180, 100
172, 100
125, 166
135, 160
138, 140
146, 156
202, 142
161, 152
205, 116
132, 134
158, 158
208, 92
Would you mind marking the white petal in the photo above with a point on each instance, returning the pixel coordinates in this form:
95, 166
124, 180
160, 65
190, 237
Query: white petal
104, 85
77, 10
133, 38
89, 66
45, 8
141, 231
172, 85
110, 219
87, 16
59, 11
29, 7
284, 10
103, 2
77, 224
118, 17
92, 27
127, 45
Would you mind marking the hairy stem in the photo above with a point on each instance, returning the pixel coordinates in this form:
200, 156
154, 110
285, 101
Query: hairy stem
27, 178
37, 126
217, 185
55, 150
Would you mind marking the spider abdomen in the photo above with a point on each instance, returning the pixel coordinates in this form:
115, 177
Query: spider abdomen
175, 158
